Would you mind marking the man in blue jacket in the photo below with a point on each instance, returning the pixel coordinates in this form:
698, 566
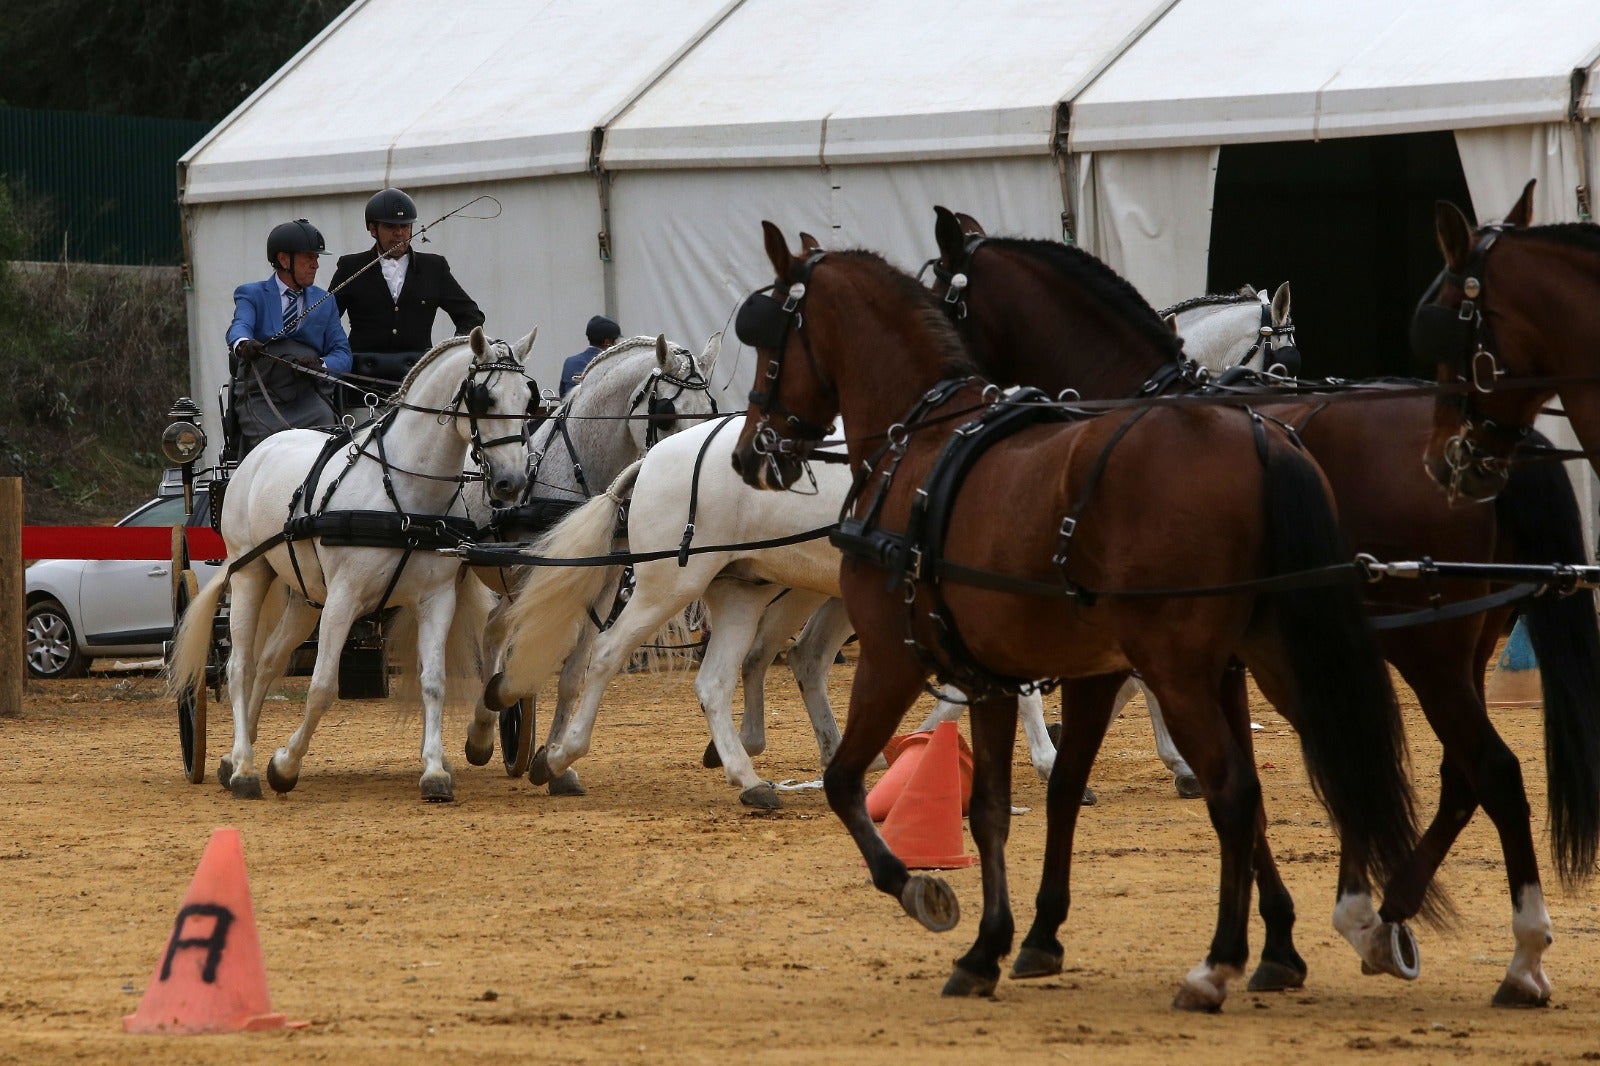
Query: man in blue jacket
282, 326
602, 333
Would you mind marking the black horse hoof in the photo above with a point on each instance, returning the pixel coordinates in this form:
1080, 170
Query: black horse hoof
1276, 977
1036, 962
966, 983
567, 784
225, 772
278, 781
539, 767
1188, 786
438, 789
762, 797
245, 788
1089, 798
1516, 994
480, 756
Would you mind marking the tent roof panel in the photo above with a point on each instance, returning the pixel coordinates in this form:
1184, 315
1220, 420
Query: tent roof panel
841, 81
492, 88
1274, 71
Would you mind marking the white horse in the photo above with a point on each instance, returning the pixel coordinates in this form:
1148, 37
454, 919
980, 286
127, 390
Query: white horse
468, 394
630, 396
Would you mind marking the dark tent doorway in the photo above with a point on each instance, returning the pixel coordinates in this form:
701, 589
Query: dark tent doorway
1349, 224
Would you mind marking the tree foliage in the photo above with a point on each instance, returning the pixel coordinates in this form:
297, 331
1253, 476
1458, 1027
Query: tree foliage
191, 59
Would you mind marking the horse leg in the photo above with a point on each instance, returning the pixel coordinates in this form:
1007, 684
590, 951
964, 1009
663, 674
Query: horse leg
735, 616
298, 621
642, 616
993, 722
810, 661
783, 616
283, 769
1183, 778
434, 614
237, 771
1086, 708
1199, 725
569, 688
1478, 769
887, 682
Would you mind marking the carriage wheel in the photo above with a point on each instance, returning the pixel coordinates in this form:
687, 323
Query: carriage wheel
516, 736
192, 701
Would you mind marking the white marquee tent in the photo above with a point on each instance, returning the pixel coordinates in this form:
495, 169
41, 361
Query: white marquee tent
635, 147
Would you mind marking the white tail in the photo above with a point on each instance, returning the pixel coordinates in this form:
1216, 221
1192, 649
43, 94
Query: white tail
192, 645
553, 604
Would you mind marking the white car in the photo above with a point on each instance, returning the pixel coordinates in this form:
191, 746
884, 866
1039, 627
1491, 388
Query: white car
83, 609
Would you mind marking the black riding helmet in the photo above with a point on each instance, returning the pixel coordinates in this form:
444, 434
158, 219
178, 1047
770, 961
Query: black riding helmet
296, 236
391, 206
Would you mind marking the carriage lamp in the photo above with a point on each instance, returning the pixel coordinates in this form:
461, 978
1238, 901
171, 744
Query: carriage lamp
183, 440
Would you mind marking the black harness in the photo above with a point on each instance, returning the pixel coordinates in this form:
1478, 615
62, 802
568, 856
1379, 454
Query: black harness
764, 322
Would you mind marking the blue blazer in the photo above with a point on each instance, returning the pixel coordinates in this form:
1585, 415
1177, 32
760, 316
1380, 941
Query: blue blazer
573, 366
258, 313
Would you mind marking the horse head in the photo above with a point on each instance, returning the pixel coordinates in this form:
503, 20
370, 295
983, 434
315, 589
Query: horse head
1467, 324
492, 404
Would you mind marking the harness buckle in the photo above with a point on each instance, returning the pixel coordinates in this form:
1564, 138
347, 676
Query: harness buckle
1467, 311
1482, 360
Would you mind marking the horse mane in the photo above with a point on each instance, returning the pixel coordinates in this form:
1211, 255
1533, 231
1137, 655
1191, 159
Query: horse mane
946, 340
1111, 288
1584, 235
1244, 295
432, 354
632, 344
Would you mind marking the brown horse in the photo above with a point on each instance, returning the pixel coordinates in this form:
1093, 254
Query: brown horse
1054, 317
1513, 320
1161, 500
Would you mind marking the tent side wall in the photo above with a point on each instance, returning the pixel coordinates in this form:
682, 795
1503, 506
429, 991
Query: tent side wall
688, 244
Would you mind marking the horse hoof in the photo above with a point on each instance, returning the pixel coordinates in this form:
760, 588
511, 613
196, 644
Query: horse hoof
1037, 962
225, 772
245, 788
1201, 999
480, 755
278, 781
930, 901
567, 784
1393, 950
439, 789
711, 760
966, 983
1276, 977
1514, 993
1089, 798
1188, 786
539, 767
762, 797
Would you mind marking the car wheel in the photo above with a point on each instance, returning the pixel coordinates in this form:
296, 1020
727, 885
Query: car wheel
51, 647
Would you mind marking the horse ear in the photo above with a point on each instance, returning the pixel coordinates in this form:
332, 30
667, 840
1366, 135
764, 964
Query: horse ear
1171, 323
1521, 213
808, 243
480, 345
1280, 305
661, 350
708, 357
1453, 232
520, 350
970, 226
777, 250
947, 234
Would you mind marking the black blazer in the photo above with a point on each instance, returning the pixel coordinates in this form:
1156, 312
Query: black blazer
379, 324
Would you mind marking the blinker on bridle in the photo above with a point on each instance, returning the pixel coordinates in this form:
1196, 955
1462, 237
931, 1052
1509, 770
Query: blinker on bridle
955, 277
764, 322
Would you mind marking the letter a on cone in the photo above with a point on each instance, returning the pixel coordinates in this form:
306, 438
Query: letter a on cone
210, 977
924, 827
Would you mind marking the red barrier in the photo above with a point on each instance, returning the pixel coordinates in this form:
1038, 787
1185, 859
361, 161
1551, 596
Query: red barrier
116, 542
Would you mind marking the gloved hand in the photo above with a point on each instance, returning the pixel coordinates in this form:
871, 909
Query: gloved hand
310, 362
249, 349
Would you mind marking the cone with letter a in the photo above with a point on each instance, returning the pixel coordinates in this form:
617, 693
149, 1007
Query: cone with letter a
924, 826
210, 977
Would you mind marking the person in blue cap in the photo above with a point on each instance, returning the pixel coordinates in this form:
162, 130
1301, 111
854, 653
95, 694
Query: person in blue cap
602, 334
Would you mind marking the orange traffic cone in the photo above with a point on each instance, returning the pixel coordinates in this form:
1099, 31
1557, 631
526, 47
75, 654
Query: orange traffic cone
210, 978
904, 753
924, 828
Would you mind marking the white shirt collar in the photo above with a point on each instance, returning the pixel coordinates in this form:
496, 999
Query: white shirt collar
394, 274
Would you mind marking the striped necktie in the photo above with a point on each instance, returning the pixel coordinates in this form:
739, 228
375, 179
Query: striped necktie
291, 306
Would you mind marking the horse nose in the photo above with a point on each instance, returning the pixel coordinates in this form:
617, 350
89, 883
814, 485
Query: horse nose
508, 486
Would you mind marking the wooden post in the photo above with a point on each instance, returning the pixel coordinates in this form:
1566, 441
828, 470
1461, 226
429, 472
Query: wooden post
12, 667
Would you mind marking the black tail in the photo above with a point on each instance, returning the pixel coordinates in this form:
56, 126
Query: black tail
1538, 513
1350, 728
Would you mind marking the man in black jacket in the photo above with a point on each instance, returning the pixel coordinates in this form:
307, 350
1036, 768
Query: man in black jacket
392, 306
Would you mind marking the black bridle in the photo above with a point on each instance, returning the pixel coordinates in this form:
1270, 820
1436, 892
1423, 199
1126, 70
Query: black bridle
662, 411
1286, 355
1461, 340
764, 322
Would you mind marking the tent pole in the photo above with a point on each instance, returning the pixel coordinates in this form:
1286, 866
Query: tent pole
1066, 170
608, 268
1580, 136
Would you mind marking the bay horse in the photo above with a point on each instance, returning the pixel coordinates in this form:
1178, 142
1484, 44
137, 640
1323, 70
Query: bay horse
402, 473
1090, 511
1052, 315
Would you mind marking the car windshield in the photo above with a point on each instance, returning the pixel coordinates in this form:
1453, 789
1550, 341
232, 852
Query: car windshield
165, 512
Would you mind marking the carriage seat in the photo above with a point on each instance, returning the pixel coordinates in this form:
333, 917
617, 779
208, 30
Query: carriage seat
388, 368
